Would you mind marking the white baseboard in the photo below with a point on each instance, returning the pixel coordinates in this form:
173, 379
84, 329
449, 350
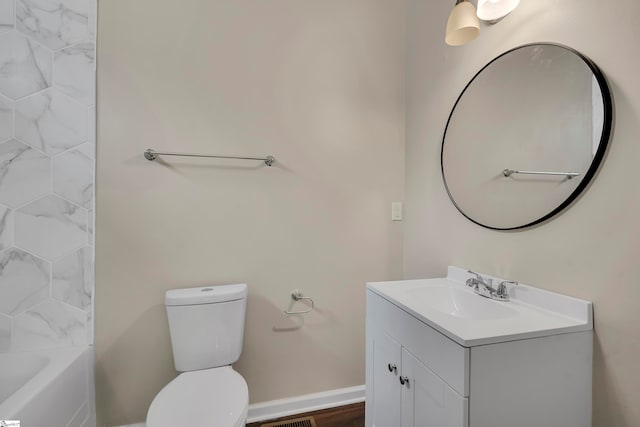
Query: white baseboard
306, 403
297, 405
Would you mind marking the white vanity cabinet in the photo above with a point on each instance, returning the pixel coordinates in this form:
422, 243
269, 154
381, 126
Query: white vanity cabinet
404, 388
386, 369
427, 400
423, 372
408, 393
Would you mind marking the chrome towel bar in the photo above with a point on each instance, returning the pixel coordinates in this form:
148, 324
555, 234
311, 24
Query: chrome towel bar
151, 154
569, 175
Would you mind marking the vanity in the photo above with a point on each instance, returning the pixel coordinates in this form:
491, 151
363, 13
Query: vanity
440, 355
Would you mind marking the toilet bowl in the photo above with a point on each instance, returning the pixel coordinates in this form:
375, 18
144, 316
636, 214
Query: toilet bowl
216, 397
207, 327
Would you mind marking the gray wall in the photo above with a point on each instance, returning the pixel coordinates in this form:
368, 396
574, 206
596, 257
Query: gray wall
317, 84
591, 250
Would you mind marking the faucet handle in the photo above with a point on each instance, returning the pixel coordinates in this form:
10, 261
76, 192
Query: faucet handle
471, 282
481, 279
502, 290
509, 282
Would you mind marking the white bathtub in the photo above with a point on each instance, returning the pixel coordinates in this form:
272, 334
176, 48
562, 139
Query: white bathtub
53, 388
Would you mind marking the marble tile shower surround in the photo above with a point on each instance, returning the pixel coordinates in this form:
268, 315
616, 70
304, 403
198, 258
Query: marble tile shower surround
47, 166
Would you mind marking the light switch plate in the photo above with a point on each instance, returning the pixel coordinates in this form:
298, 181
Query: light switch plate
396, 211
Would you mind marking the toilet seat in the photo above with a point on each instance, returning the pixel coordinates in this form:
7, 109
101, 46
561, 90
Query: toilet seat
216, 397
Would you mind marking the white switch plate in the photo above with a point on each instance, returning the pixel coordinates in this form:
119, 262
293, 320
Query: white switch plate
396, 211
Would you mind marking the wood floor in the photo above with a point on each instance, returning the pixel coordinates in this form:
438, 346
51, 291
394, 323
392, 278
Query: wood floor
343, 416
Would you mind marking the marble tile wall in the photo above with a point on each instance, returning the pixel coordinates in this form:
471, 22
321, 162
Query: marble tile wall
47, 164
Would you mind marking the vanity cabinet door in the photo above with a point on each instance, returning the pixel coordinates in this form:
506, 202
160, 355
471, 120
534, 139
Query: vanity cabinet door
386, 386
427, 401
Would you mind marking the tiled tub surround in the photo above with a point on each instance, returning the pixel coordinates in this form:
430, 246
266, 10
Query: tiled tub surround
47, 163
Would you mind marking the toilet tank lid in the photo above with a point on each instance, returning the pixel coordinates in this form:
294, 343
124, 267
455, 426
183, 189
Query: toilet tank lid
206, 294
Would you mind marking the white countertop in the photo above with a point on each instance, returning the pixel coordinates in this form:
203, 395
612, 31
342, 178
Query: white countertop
530, 313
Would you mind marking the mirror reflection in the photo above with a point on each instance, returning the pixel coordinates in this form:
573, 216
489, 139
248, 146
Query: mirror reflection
525, 136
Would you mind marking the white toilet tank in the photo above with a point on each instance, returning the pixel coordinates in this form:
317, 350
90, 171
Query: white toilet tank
206, 325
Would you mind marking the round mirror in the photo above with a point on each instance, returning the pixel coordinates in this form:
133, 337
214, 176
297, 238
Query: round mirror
525, 136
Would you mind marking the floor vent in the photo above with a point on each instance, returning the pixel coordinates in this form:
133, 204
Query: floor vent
298, 422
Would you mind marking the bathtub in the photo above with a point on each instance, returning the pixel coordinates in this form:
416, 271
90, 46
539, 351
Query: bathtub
53, 388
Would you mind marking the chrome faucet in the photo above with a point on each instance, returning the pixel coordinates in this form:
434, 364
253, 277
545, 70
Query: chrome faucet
480, 285
484, 287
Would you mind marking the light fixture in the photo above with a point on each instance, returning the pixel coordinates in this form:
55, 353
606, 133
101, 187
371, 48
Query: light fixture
493, 10
463, 24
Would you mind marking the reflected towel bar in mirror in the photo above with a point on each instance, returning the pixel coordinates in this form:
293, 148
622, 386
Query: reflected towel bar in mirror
151, 154
569, 175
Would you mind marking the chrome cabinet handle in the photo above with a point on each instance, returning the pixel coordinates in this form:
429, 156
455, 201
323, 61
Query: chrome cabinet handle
404, 380
392, 368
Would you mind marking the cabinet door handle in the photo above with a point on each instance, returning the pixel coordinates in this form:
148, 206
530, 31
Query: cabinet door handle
392, 368
404, 380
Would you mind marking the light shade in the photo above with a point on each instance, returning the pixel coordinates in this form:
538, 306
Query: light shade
463, 24
492, 10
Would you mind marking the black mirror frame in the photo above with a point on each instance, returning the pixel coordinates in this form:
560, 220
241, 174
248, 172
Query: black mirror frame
597, 158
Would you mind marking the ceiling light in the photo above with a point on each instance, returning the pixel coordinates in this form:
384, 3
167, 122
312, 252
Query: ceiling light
463, 24
492, 10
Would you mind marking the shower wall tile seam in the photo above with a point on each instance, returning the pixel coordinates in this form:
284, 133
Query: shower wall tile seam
23, 142
14, 246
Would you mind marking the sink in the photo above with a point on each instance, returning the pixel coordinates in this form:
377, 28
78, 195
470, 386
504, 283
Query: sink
460, 303
453, 309
439, 354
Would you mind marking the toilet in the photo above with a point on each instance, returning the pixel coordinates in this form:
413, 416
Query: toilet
206, 326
